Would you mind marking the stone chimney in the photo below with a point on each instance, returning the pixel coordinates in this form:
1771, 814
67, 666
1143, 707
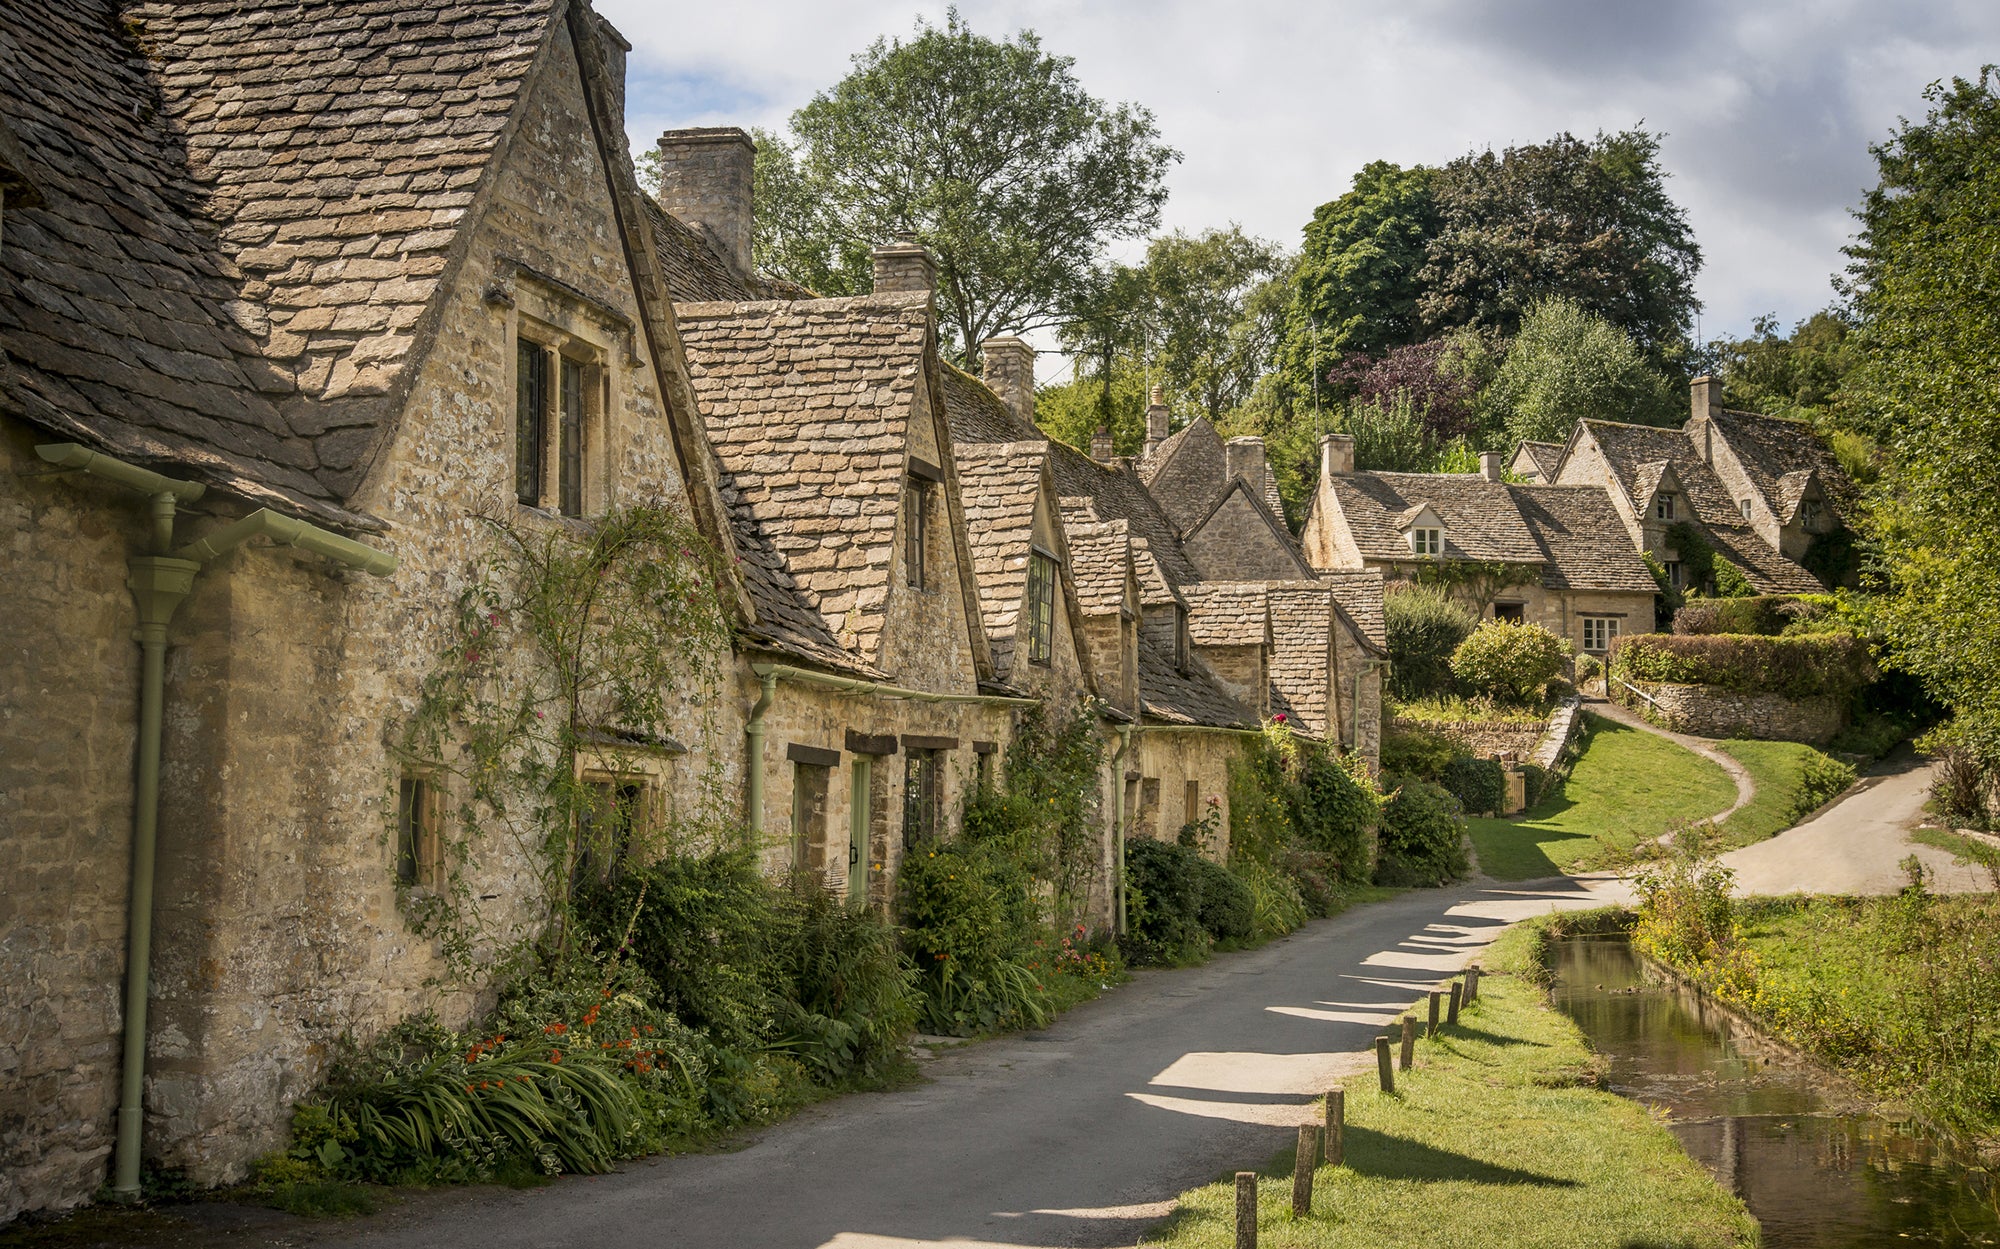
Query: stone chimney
1009, 370
707, 179
1244, 457
614, 46
1704, 400
904, 265
1156, 420
1489, 465
1336, 455
1101, 449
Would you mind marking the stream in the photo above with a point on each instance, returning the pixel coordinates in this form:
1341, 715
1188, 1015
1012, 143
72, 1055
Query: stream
1817, 1170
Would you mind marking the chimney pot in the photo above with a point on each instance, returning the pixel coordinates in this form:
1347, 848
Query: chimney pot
904, 265
1336, 454
708, 180
1100, 445
1157, 419
1008, 365
1489, 465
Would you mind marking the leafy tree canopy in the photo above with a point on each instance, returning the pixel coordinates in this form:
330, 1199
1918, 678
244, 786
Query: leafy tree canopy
989, 151
1797, 375
1589, 222
1569, 363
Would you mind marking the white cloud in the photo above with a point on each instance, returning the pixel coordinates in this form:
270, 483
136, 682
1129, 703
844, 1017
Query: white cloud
1768, 110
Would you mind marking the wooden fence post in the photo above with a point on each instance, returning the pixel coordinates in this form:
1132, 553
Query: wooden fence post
1451, 1011
1383, 1066
1332, 1140
1472, 983
1302, 1171
1409, 1054
1437, 1000
1246, 1210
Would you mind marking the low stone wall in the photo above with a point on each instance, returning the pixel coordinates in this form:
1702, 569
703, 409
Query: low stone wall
1483, 739
1711, 711
1553, 753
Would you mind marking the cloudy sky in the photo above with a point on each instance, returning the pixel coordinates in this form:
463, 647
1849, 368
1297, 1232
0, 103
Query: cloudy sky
1767, 108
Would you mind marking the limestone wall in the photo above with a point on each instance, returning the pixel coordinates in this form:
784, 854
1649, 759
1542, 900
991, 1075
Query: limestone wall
1483, 739
1711, 711
1169, 759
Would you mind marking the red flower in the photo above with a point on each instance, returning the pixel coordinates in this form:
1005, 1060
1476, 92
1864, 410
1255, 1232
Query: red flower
555, 1056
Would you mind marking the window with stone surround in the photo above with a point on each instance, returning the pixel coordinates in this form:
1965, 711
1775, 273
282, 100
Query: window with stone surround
916, 535
1426, 541
419, 827
617, 808
923, 796
1510, 613
1663, 507
557, 406
810, 782
1598, 631
1041, 607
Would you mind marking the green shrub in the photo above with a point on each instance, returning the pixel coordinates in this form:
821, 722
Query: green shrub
1337, 809
1478, 784
1731, 581
1835, 664
955, 901
1422, 836
1510, 663
1684, 915
1765, 615
1277, 899
1820, 781
1424, 627
1417, 752
846, 1002
1228, 909
1163, 904
1588, 668
1535, 780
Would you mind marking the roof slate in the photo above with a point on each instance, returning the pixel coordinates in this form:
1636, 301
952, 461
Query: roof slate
1191, 697
1000, 483
1302, 623
1584, 542
1768, 571
1480, 519
1100, 554
1186, 473
807, 405
1772, 449
1545, 456
1638, 454
694, 273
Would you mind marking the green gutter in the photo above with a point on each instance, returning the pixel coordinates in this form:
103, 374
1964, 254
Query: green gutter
160, 583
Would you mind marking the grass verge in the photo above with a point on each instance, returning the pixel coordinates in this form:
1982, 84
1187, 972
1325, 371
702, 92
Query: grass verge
1628, 786
1788, 788
1499, 1137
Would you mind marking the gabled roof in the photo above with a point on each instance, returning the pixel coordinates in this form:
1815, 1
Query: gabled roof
1768, 571
1792, 491
1543, 457
1001, 484
248, 208
1584, 542
1638, 454
808, 407
1154, 588
1186, 472
694, 273
1480, 519
1227, 613
1100, 555
978, 415
1771, 448
1303, 618
1192, 697
1359, 596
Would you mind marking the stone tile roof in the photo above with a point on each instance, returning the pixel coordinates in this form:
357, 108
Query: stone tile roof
1191, 697
978, 415
1480, 519
1359, 596
694, 273
807, 405
1227, 613
1100, 552
1545, 456
1116, 493
1638, 455
1303, 618
1154, 588
1186, 473
1774, 450
1000, 483
244, 222
1584, 542
1768, 571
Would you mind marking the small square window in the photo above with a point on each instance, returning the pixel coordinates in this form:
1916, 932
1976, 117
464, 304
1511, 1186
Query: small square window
1743, 506
419, 845
1663, 507
1427, 541
1809, 513
614, 813
1598, 632
1041, 608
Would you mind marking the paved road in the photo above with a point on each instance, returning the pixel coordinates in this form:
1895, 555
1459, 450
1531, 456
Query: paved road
1856, 845
1078, 1135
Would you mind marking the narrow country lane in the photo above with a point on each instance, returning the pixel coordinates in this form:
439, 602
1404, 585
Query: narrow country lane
1078, 1135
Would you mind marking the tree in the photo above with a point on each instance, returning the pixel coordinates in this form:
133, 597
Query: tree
1798, 375
1569, 363
990, 152
1590, 222
1214, 309
1925, 279
1357, 283
1442, 378
1071, 411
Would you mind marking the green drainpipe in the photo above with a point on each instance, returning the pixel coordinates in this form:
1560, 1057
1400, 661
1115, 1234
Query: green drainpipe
1125, 732
160, 583
753, 764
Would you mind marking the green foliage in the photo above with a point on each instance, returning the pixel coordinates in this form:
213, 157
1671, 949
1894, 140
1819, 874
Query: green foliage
1279, 901
1050, 799
962, 908
1408, 751
1589, 222
1766, 615
1731, 581
1228, 908
1684, 915
1513, 664
1820, 782
1422, 836
1568, 364
990, 151
1478, 784
1424, 627
1163, 891
1928, 393
1071, 411
1834, 664
1799, 375
1357, 280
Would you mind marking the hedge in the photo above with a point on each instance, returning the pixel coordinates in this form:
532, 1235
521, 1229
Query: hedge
1835, 664
1766, 615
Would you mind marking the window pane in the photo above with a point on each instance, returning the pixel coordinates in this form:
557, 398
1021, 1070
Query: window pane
570, 443
531, 399
913, 552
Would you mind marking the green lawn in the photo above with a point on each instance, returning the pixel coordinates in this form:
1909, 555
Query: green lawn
1497, 1138
1627, 786
1778, 768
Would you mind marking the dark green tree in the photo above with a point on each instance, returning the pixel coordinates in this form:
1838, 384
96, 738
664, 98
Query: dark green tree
989, 151
1591, 222
1925, 279
1214, 304
1568, 363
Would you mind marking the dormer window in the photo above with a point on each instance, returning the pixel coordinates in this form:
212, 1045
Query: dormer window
1663, 507
1809, 513
1427, 542
916, 520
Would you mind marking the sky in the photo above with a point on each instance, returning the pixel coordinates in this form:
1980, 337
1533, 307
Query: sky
1767, 109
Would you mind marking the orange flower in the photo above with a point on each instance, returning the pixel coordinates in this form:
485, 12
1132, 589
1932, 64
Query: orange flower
555, 1056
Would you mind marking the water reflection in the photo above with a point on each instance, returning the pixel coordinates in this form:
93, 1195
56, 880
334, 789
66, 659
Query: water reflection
1818, 1172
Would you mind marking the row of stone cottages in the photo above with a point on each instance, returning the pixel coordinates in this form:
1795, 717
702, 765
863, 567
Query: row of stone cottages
289, 301
342, 283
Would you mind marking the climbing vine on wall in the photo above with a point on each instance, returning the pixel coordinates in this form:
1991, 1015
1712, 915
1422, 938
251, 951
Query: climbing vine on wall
1045, 808
1480, 580
571, 639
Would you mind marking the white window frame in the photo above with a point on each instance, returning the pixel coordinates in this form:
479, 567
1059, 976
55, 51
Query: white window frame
1663, 507
1427, 541
1605, 629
